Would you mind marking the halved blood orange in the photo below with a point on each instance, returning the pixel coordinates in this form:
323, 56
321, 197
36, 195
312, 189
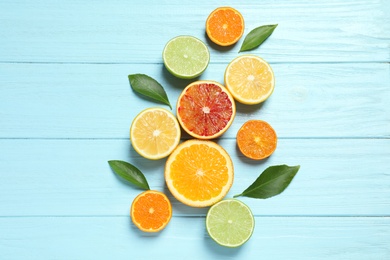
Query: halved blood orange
256, 139
205, 109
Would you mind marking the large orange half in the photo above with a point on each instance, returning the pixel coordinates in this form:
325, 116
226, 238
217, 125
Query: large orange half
199, 173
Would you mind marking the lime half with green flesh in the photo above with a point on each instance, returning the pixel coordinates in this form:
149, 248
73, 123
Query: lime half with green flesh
186, 57
230, 223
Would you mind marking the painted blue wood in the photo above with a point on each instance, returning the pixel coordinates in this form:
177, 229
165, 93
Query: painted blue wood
124, 31
96, 101
66, 107
72, 177
117, 238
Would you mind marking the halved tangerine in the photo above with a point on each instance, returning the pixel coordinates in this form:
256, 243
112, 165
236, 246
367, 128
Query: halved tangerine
256, 139
205, 109
225, 26
151, 211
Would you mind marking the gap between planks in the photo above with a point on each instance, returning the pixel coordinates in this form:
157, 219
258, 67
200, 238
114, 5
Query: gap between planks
161, 63
184, 139
197, 216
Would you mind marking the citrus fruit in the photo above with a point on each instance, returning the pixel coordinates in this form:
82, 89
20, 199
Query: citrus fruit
249, 79
256, 139
205, 109
230, 223
151, 211
199, 173
186, 57
225, 26
155, 133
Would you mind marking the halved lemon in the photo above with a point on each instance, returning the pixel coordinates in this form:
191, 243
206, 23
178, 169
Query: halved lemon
250, 79
155, 133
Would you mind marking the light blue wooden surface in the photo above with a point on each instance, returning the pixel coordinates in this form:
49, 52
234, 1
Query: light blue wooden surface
66, 108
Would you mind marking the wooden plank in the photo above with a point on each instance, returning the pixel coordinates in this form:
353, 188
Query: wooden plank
96, 101
187, 238
338, 177
123, 32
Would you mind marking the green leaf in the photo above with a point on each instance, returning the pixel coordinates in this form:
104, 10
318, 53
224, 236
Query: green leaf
130, 173
273, 181
149, 87
257, 36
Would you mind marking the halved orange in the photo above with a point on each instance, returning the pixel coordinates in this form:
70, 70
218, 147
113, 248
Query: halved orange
225, 26
256, 139
205, 109
151, 211
199, 173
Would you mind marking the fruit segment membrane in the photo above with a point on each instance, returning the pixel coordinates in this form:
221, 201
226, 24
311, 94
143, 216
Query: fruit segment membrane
205, 110
209, 172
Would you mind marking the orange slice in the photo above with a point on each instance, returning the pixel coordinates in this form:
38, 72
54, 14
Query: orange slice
151, 211
205, 109
250, 79
199, 173
256, 139
225, 26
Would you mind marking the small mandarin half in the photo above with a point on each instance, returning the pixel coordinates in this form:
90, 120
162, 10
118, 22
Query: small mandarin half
250, 79
205, 109
199, 173
151, 211
225, 26
256, 139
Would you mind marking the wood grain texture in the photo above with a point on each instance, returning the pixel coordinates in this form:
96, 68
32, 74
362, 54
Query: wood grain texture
96, 101
66, 107
118, 238
72, 177
124, 32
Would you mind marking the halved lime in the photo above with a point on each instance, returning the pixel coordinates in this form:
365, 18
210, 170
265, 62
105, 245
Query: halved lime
186, 57
230, 223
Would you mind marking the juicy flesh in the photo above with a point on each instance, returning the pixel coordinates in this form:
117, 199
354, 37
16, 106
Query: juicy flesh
225, 26
230, 223
151, 211
251, 79
256, 139
155, 133
199, 172
205, 109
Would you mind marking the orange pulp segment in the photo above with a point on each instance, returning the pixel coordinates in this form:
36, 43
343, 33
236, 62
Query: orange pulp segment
199, 173
151, 211
205, 109
225, 26
256, 139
